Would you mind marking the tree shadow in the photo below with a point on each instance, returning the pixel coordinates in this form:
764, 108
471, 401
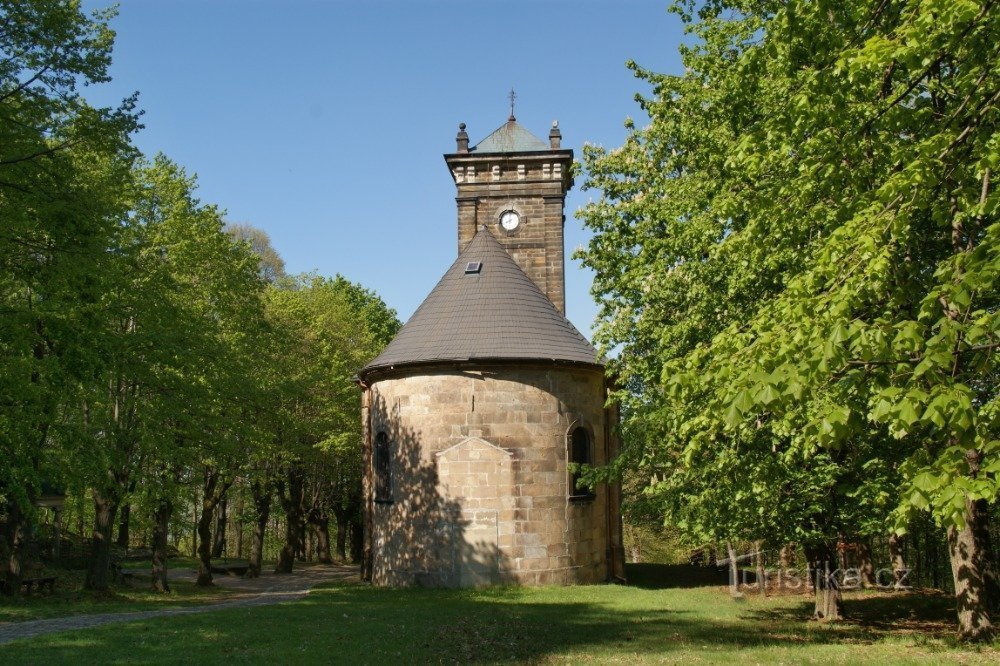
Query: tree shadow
879, 613
424, 538
353, 622
929, 611
673, 576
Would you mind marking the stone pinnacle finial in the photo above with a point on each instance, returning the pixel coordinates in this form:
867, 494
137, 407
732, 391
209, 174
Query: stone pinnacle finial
555, 136
462, 139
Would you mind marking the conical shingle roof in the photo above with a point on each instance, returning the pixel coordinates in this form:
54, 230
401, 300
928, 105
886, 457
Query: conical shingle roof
495, 313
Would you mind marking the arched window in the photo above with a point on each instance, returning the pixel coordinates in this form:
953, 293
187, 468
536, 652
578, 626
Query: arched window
580, 454
383, 468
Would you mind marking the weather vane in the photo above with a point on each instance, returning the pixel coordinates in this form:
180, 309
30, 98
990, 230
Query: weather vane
512, 97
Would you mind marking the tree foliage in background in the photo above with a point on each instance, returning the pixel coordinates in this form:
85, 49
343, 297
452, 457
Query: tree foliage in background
151, 357
798, 257
272, 266
63, 166
330, 328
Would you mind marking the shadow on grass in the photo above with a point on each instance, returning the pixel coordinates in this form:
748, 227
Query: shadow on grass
671, 576
352, 623
928, 611
70, 598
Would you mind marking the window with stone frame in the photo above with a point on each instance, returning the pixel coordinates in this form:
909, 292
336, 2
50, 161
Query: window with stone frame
383, 468
580, 453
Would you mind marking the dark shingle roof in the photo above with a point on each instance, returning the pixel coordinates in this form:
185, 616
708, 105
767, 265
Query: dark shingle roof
510, 138
495, 314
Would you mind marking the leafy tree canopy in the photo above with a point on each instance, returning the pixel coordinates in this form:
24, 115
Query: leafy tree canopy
798, 259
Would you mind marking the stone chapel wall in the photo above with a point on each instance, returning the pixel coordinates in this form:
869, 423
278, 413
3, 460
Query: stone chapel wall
480, 478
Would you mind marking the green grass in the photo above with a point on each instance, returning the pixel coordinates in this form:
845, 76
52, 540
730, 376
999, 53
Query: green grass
70, 598
651, 623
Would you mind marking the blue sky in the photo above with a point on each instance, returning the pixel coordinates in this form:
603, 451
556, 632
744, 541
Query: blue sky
324, 123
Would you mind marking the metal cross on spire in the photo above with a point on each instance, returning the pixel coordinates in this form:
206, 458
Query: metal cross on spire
512, 97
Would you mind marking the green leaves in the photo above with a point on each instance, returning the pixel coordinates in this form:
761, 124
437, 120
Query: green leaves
798, 255
65, 179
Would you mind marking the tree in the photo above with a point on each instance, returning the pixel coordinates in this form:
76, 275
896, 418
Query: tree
799, 254
272, 266
63, 168
182, 316
331, 327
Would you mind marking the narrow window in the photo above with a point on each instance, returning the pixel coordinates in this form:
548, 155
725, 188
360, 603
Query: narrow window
579, 453
383, 469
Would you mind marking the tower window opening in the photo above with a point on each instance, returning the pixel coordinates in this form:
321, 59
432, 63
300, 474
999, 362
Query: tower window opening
473, 267
382, 468
580, 454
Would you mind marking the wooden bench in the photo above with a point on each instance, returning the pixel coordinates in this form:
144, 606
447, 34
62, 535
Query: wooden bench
123, 576
42, 582
231, 568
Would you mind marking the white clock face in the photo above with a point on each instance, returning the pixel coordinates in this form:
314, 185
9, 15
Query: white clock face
509, 220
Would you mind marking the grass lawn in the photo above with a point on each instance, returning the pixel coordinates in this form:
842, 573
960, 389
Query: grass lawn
646, 623
69, 597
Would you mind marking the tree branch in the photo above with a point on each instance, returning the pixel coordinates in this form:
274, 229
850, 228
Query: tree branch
24, 85
65, 144
911, 86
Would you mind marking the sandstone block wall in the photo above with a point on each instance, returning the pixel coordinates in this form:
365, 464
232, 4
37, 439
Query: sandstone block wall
480, 479
535, 186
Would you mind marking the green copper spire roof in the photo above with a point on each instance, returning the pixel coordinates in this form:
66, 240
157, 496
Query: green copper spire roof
510, 137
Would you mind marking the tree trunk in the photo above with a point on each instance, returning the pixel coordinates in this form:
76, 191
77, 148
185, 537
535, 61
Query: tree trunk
357, 539
896, 559
322, 525
291, 501
214, 492
342, 537
238, 523
219, 544
812, 555
734, 572
205, 546
343, 526
16, 536
786, 557
829, 600
991, 568
970, 565
80, 518
262, 505
865, 566
788, 576
832, 599
761, 573
161, 528
123, 526
194, 529
973, 567
99, 573
294, 533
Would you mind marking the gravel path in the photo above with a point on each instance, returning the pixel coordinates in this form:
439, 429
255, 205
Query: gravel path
268, 589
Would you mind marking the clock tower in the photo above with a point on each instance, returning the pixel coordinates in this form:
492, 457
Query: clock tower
515, 185
478, 414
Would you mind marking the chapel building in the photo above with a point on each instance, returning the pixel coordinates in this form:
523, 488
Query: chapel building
474, 413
